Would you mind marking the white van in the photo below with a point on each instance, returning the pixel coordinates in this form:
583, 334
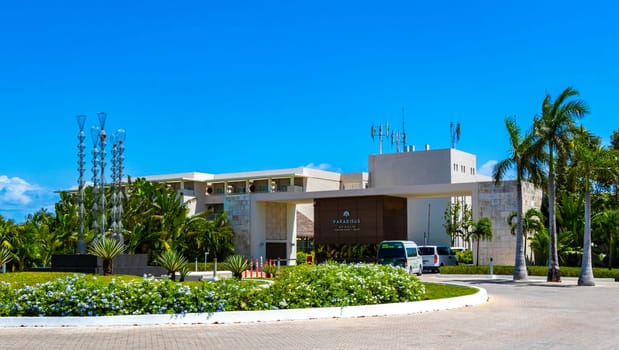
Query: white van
400, 253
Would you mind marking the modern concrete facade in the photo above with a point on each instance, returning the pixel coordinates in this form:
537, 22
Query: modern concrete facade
270, 210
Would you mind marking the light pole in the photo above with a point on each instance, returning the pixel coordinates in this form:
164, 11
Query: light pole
81, 245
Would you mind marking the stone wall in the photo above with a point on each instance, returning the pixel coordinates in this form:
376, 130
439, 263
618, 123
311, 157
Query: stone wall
238, 210
276, 221
498, 202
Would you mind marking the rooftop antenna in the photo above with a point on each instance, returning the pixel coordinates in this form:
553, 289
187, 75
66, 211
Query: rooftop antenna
395, 137
403, 133
455, 134
380, 135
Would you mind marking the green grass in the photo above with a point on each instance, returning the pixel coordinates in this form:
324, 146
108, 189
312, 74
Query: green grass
21, 279
441, 290
566, 271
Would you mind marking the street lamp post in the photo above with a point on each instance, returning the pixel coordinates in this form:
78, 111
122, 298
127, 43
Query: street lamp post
81, 244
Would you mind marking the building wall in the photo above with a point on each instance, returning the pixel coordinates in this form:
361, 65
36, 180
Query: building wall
319, 184
354, 220
440, 166
418, 221
238, 208
498, 202
276, 223
463, 166
409, 168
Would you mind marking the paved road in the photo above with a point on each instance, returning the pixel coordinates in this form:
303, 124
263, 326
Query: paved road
525, 315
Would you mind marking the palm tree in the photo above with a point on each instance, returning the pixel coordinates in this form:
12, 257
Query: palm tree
527, 160
585, 161
5, 256
554, 129
107, 249
607, 223
532, 222
482, 230
174, 262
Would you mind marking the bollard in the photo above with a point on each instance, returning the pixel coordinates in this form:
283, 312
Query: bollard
196, 264
491, 269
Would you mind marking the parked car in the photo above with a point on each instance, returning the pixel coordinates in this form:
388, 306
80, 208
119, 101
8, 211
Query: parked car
454, 250
400, 253
435, 256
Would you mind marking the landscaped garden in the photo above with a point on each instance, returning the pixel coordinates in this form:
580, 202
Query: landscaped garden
303, 286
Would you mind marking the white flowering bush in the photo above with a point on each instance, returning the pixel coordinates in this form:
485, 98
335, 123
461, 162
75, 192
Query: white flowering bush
334, 284
299, 287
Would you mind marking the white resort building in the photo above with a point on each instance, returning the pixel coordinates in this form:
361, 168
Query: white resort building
402, 196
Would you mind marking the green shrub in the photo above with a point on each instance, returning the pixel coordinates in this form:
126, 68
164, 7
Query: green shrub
173, 262
271, 270
237, 264
566, 271
465, 257
334, 284
296, 287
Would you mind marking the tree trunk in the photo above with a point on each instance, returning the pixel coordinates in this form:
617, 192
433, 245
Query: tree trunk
520, 264
586, 270
107, 267
554, 274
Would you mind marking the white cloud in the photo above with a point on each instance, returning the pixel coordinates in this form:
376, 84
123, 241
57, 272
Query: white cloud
488, 167
18, 198
321, 166
15, 190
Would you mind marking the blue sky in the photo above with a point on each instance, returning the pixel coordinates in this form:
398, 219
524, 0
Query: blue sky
219, 87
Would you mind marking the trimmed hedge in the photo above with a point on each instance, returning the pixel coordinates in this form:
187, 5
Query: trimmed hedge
566, 271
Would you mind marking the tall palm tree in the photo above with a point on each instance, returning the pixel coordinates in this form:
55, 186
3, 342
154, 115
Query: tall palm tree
554, 129
526, 159
584, 165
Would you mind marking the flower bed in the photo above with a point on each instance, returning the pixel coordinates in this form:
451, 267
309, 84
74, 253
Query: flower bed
304, 286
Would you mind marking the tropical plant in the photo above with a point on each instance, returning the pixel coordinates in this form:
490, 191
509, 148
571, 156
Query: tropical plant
174, 262
107, 249
482, 230
554, 128
5, 256
532, 222
588, 162
458, 220
526, 159
606, 223
271, 270
237, 264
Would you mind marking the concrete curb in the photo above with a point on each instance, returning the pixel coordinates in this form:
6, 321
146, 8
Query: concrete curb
252, 316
